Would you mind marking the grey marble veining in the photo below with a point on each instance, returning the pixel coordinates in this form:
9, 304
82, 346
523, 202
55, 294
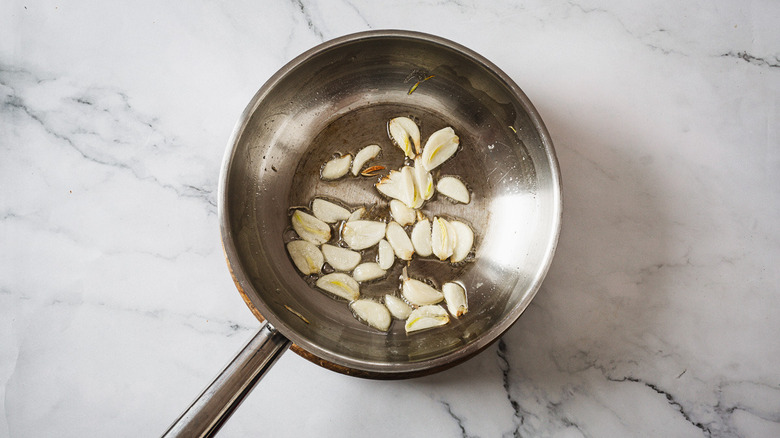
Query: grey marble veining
657, 318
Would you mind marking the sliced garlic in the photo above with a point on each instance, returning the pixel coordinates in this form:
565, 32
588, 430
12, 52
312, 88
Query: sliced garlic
423, 180
441, 145
399, 240
416, 197
372, 313
426, 317
306, 256
362, 234
400, 185
339, 284
443, 238
455, 296
401, 213
405, 134
411, 196
368, 271
454, 189
337, 167
341, 259
421, 237
463, 242
357, 214
389, 185
419, 293
397, 307
329, 212
310, 228
363, 156
385, 256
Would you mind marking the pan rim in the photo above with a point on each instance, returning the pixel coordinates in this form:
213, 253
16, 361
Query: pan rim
381, 369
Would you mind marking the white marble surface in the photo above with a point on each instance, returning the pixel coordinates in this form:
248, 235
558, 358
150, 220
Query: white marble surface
659, 316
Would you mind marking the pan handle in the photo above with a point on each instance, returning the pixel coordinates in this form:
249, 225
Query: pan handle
217, 402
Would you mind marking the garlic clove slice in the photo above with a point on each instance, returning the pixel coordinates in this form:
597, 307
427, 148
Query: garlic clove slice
368, 271
389, 185
408, 190
341, 259
363, 156
339, 284
372, 313
397, 307
421, 238
329, 212
385, 256
423, 180
463, 242
412, 129
419, 293
399, 240
306, 256
401, 213
362, 234
357, 214
426, 317
454, 189
455, 296
443, 238
405, 134
310, 228
336, 168
441, 145
400, 185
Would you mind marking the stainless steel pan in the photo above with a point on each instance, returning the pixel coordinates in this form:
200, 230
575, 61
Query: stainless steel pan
336, 98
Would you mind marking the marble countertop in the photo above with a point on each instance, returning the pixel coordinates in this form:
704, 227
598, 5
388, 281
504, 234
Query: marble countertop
659, 315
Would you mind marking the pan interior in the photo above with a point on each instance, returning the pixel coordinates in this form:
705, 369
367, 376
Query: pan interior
337, 99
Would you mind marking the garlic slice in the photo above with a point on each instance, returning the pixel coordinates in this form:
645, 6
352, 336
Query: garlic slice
372, 313
426, 317
405, 134
362, 234
329, 212
441, 145
401, 213
341, 259
385, 256
443, 238
397, 307
337, 167
357, 214
400, 185
412, 197
363, 156
368, 271
454, 189
339, 284
455, 296
400, 242
419, 293
463, 242
423, 180
310, 228
306, 256
389, 185
421, 237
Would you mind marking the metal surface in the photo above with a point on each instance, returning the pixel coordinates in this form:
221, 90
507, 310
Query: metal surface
217, 402
337, 98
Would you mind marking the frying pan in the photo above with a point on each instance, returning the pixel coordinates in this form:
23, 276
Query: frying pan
335, 99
